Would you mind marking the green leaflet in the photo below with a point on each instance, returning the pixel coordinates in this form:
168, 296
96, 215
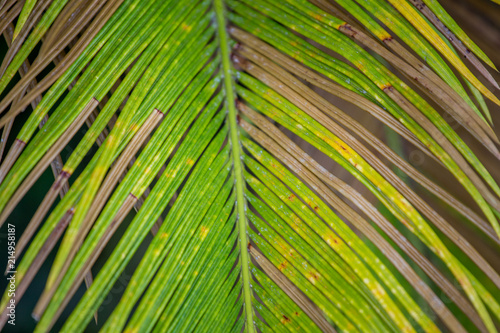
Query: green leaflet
171, 177
386, 101
341, 153
346, 304
277, 299
106, 160
28, 46
223, 306
455, 28
78, 97
338, 245
25, 13
411, 14
390, 17
316, 16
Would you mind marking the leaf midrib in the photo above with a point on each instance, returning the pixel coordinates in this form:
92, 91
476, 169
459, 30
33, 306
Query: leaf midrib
237, 161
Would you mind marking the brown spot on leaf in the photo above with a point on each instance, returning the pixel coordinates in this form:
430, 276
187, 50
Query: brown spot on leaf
204, 232
283, 265
238, 103
388, 87
186, 27
313, 277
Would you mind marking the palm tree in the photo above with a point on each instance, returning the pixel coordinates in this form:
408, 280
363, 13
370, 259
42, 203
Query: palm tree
257, 165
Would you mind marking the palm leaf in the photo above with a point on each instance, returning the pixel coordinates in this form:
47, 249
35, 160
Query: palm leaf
210, 139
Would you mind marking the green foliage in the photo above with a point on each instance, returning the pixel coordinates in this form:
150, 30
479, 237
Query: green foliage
196, 114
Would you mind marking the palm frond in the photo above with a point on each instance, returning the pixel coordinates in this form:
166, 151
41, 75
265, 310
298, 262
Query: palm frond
209, 138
